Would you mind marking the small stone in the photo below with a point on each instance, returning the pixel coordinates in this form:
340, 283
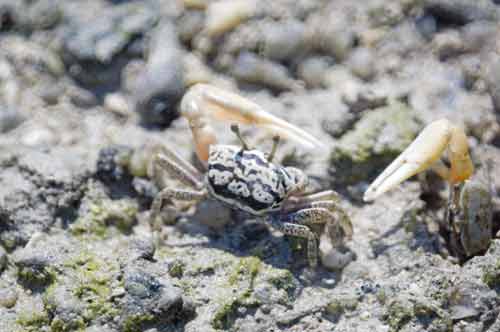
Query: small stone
448, 43
39, 137
361, 63
160, 86
117, 103
141, 249
225, 15
251, 68
332, 258
81, 97
3, 259
170, 300
212, 213
10, 118
98, 328
312, 69
8, 297
461, 11
427, 26
112, 162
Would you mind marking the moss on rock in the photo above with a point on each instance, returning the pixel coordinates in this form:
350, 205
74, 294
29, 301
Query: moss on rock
33, 321
93, 286
242, 279
106, 212
379, 137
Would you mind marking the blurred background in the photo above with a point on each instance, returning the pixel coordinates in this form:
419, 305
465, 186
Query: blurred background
87, 88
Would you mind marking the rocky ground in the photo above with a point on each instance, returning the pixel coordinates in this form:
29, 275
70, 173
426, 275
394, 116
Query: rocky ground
87, 87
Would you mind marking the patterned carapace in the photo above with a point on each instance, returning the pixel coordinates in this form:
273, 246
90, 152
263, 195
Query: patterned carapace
247, 180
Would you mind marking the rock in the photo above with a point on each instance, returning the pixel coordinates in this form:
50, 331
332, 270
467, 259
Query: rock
336, 38
99, 214
149, 301
477, 35
34, 267
189, 25
8, 297
65, 307
94, 48
43, 14
426, 25
251, 68
141, 249
282, 40
461, 11
376, 139
386, 14
9, 119
27, 16
107, 35
3, 259
224, 15
81, 97
448, 43
331, 257
160, 86
312, 69
365, 100
361, 63
491, 72
112, 163
98, 328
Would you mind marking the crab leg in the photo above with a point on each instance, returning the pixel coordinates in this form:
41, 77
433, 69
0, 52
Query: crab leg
203, 103
424, 153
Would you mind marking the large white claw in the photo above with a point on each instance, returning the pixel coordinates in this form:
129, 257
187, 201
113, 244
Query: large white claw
204, 101
423, 153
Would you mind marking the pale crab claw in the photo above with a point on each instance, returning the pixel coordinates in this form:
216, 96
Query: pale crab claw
424, 153
203, 103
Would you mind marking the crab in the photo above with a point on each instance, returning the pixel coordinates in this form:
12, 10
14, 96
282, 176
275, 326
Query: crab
247, 179
469, 211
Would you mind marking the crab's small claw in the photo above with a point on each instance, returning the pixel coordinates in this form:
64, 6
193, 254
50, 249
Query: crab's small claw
203, 103
424, 153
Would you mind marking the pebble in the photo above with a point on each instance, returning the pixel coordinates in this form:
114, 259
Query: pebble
160, 85
312, 70
8, 297
362, 63
331, 257
10, 118
223, 16
252, 68
3, 259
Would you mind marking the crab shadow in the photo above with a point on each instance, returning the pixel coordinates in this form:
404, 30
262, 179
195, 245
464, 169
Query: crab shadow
247, 237
411, 232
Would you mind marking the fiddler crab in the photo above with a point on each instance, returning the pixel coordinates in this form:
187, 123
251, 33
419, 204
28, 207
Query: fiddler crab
469, 210
247, 179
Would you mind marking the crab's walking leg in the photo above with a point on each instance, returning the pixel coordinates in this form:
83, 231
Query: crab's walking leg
302, 231
328, 199
340, 217
203, 103
171, 194
423, 153
329, 212
326, 195
164, 157
177, 171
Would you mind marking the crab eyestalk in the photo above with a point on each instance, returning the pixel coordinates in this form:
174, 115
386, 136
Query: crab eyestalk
424, 153
236, 130
276, 142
